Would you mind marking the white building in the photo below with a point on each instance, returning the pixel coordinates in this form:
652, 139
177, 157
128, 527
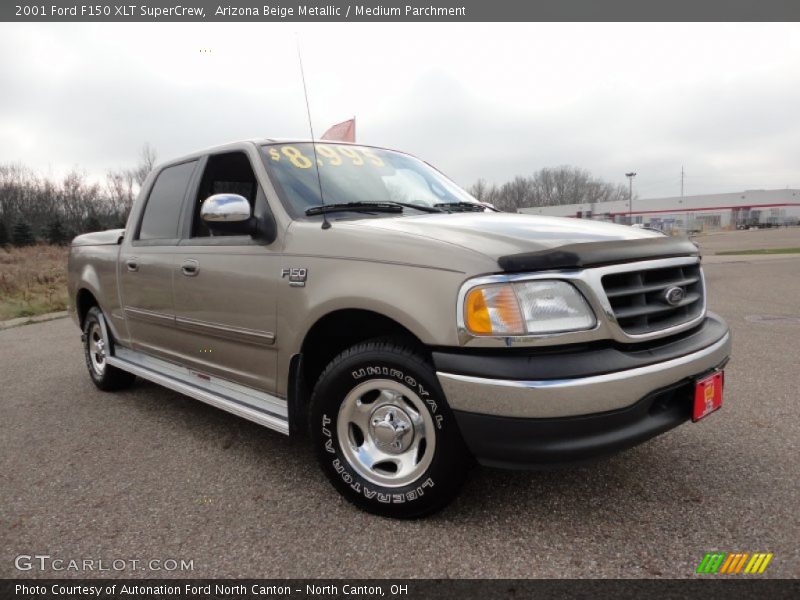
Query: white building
708, 212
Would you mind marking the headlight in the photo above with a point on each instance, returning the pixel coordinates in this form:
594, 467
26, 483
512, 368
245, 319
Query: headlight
527, 307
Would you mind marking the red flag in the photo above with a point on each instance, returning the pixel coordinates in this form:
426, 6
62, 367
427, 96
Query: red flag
342, 132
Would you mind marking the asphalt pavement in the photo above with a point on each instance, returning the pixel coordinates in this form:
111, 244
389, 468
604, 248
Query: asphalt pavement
148, 474
749, 239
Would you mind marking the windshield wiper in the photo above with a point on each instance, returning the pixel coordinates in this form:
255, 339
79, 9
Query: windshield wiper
460, 207
422, 207
390, 207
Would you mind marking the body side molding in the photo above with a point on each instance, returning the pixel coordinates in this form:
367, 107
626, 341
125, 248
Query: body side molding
239, 334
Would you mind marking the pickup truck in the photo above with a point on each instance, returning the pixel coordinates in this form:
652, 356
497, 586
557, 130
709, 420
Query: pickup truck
359, 297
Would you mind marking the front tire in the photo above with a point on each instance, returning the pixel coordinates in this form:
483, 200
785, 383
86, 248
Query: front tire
384, 434
96, 348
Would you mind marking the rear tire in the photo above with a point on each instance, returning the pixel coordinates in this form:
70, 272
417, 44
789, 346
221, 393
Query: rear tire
384, 434
96, 348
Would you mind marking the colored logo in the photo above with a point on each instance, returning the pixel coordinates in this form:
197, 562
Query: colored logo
731, 563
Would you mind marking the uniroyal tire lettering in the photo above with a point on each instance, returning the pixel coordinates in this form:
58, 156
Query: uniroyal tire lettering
377, 370
384, 371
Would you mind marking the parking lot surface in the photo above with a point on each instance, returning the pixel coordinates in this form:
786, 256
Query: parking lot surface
751, 239
149, 474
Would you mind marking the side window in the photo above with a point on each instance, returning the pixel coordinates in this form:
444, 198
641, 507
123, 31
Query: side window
225, 173
160, 220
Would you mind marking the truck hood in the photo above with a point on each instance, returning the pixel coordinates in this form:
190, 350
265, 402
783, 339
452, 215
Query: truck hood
521, 242
502, 234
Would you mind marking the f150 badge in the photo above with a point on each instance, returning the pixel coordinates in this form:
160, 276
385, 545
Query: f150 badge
297, 276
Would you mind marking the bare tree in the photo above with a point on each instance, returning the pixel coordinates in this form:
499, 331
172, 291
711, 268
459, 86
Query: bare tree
120, 187
549, 187
147, 160
479, 190
61, 209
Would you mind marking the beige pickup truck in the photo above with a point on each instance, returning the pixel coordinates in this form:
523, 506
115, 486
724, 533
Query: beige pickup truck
357, 295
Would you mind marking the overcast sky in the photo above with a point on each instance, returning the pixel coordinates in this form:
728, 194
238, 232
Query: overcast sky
476, 100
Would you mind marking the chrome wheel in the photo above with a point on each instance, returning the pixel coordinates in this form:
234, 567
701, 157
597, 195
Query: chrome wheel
386, 433
97, 348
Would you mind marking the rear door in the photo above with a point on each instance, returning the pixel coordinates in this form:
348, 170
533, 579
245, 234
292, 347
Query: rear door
147, 262
225, 303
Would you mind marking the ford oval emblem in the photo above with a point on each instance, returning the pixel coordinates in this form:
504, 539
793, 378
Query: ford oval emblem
674, 295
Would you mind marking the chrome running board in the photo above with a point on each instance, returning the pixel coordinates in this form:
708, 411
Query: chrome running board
259, 407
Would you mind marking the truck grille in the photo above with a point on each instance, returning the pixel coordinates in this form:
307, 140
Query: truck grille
639, 298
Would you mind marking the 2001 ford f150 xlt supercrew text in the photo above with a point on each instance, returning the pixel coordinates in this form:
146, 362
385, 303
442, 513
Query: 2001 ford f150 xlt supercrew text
357, 293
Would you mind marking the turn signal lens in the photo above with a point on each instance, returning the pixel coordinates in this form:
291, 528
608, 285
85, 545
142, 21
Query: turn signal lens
493, 310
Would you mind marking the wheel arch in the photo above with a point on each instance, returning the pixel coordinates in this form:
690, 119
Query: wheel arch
330, 335
85, 299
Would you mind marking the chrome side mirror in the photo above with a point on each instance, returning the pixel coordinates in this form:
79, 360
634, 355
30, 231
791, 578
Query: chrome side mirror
225, 208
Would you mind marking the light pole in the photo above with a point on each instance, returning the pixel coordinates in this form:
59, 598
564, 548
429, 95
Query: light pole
630, 177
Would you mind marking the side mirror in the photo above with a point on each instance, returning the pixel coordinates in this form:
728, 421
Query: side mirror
228, 213
225, 208
231, 214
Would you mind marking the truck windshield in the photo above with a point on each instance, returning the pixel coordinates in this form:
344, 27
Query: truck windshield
357, 174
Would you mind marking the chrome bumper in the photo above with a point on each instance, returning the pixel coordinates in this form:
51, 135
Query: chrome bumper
579, 396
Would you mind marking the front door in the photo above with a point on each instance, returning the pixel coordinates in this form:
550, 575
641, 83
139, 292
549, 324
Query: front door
224, 286
147, 261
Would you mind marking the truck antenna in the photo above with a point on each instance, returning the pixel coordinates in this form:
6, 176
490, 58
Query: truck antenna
325, 223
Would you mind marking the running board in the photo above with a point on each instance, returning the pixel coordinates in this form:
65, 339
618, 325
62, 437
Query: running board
259, 407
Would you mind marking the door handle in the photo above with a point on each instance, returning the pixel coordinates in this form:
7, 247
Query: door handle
132, 263
190, 267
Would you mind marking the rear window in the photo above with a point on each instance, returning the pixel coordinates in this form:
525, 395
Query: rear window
163, 207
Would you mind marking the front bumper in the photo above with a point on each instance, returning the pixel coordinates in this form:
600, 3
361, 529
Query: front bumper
583, 402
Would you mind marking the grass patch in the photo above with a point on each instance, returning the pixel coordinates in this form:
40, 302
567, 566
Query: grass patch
764, 251
33, 281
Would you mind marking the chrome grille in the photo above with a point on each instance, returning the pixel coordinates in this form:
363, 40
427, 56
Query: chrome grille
639, 298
